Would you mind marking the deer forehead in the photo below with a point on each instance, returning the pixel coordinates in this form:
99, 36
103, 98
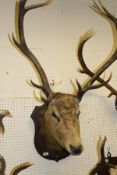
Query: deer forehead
65, 101
64, 104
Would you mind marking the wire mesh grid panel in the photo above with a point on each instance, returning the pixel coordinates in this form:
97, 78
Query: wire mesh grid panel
17, 145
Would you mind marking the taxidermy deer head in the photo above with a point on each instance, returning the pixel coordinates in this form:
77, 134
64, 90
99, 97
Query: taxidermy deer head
57, 129
15, 170
106, 165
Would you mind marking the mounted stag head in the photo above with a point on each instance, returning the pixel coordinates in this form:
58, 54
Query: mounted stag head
106, 165
57, 130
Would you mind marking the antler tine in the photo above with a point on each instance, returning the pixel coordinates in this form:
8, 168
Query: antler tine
102, 166
102, 145
101, 157
20, 43
100, 9
38, 5
102, 154
19, 168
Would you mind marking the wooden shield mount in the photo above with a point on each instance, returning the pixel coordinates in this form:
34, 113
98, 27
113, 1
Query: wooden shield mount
44, 147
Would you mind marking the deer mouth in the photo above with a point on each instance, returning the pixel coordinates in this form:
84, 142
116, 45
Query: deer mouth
76, 150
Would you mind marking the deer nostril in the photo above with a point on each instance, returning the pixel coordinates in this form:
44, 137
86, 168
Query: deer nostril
76, 150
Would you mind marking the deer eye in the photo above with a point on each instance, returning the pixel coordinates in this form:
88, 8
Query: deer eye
55, 115
78, 114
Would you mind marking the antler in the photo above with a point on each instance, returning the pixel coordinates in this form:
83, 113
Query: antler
2, 165
3, 113
87, 71
102, 166
102, 145
19, 168
15, 170
20, 43
101, 10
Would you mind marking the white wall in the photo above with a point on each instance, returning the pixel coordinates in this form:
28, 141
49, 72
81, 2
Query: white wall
52, 33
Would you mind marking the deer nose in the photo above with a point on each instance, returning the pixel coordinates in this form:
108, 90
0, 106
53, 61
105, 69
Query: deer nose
76, 150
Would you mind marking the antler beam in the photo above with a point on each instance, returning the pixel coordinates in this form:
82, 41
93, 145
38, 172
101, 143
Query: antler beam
20, 43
